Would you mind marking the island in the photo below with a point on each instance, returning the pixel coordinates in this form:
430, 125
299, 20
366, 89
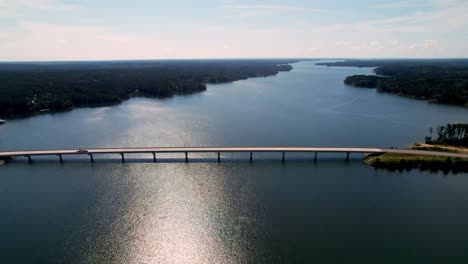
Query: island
437, 80
451, 138
27, 88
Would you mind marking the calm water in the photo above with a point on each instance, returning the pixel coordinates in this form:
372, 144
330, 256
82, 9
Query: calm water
234, 212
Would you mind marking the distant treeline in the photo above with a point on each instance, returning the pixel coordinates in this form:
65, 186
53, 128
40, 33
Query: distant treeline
30, 87
441, 81
451, 134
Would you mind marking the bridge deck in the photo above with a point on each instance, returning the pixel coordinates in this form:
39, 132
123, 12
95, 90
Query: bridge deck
218, 150
183, 150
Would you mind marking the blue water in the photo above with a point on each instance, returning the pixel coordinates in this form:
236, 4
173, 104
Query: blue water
234, 212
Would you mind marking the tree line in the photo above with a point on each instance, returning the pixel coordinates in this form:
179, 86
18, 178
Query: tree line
451, 134
30, 87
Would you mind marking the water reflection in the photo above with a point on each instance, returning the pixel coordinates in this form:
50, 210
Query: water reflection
169, 213
265, 212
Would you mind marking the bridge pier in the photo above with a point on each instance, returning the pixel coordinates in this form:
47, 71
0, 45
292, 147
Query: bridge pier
283, 151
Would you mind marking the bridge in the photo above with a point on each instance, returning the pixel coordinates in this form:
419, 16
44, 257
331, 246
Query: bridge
91, 153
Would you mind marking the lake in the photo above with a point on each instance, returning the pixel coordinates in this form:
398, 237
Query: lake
331, 211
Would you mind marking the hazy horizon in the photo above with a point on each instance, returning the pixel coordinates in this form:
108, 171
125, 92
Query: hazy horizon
85, 30
218, 59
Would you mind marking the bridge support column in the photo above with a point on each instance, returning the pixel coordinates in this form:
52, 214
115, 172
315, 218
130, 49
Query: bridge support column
251, 157
123, 157
219, 157
91, 158
154, 157
29, 159
60, 158
186, 156
315, 158
284, 158
347, 156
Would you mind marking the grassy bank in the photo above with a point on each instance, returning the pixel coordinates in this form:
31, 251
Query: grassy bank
438, 147
400, 162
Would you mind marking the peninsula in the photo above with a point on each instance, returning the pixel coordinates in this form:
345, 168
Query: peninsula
437, 80
450, 139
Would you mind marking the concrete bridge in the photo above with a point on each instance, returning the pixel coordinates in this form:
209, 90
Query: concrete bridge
91, 153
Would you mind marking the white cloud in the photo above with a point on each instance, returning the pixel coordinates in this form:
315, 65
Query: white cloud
20, 8
445, 20
430, 44
272, 7
342, 43
49, 41
377, 48
47, 4
403, 4
266, 10
419, 3
54, 5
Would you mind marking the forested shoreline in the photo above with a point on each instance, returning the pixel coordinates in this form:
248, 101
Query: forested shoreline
451, 134
438, 80
26, 88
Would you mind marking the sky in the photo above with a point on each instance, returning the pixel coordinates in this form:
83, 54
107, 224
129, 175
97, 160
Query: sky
45, 30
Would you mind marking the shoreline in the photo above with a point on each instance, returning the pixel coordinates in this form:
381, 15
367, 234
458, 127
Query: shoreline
401, 162
413, 97
408, 96
15, 116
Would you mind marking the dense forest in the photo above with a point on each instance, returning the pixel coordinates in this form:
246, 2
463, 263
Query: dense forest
30, 87
441, 81
364, 81
451, 134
